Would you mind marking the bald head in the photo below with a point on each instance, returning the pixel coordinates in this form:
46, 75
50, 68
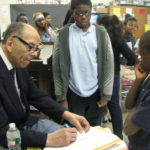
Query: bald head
19, 29
20, 44
29, 30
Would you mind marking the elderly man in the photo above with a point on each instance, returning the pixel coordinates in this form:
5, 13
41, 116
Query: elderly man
17, 92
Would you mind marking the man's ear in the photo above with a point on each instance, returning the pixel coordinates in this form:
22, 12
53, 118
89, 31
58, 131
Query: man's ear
9, 44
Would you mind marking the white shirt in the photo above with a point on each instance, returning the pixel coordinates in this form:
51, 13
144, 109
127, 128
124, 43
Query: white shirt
83, 69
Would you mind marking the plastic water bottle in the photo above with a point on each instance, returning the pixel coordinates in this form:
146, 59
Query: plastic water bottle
13, 137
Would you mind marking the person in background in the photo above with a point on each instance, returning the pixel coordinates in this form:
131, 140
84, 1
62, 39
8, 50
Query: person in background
115, 30
22, 17
42, 28
69, 17
137, 123
130, 28
83, 65
18, 92
127, 16
48, 19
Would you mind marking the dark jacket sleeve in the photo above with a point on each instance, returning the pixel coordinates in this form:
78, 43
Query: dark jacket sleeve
31, 96
128, 53
43, 101
28, 138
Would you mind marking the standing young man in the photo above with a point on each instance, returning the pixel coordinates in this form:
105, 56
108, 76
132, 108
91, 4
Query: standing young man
83, 65
137, 124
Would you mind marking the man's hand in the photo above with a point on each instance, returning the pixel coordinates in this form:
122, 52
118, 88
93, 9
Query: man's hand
102, 103
62, 137
78, 121
64, 104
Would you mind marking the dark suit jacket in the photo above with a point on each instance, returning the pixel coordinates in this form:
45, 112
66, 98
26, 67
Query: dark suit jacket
11, 109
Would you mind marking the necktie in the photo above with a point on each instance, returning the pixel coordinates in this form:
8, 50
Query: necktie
12, 73
15, 84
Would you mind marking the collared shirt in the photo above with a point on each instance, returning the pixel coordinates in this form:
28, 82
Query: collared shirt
83, 69
9, 67
5, 59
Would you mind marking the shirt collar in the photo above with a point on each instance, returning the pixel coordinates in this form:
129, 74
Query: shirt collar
90, 29
5, 59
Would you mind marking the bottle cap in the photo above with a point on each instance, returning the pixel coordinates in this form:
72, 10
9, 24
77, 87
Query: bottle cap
12, 125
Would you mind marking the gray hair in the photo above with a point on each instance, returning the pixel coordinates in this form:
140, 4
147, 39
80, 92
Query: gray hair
13, 29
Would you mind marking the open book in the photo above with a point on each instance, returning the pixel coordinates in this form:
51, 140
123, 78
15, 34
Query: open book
94, 139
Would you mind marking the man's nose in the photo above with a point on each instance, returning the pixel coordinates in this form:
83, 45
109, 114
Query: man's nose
34, 54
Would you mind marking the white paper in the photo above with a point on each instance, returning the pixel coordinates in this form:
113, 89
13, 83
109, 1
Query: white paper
91, 140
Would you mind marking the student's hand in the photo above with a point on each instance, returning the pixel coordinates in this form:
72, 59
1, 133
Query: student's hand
102, 102
64, 104
62, 137
140, 73
78, 121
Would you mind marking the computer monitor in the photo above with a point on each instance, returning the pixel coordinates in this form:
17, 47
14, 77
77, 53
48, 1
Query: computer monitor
94, 17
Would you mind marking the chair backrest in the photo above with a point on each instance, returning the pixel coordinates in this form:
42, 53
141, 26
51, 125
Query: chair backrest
46, 52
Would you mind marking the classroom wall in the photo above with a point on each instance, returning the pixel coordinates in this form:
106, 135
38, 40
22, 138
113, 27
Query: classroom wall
105, 2
58, 16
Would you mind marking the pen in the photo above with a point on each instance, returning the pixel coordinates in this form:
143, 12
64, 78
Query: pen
67, 125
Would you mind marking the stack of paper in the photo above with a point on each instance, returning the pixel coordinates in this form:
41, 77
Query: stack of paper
93, 139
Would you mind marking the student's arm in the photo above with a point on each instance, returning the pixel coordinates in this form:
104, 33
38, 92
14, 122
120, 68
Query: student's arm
130, 127
56, 70
140, 77
128, 53
108, 72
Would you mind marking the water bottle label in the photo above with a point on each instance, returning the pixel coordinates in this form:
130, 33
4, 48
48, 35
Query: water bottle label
11, 142
14, 142
18, 141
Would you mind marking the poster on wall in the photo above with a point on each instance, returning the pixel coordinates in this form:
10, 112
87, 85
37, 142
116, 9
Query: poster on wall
148, 19
43, 1
4, 19
129, 11
116, 10
147, 27
4, 13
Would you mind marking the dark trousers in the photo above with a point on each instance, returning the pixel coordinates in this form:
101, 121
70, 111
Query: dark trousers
86, 106
131, 147
114, 108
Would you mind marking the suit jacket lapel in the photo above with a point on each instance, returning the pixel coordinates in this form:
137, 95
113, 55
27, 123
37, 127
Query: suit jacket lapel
9, 86
21, 83
12, 92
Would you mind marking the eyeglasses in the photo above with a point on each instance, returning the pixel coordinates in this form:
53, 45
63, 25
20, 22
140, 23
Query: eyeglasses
31, 48
80, 14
